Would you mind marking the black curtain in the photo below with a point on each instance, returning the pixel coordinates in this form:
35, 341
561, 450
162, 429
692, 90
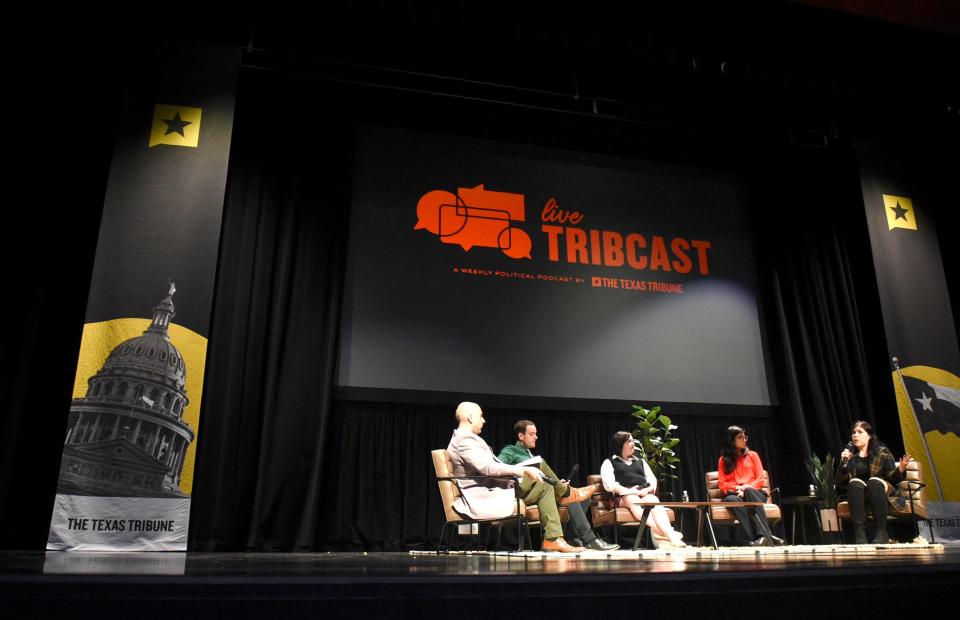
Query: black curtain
272, 354
821, 301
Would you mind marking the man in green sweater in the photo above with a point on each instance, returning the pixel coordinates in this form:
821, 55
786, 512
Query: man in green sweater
568, 496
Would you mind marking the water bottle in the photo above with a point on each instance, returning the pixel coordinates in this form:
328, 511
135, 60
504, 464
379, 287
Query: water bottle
813, 491
686, 496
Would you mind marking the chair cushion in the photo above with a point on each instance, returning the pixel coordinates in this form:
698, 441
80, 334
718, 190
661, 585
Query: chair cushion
722, 515
604, 515
603, 504
895, 512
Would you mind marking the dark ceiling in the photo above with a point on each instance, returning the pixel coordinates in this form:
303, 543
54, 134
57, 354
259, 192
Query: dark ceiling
935, 15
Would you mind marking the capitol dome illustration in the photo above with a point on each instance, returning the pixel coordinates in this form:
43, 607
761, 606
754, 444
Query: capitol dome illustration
127, 436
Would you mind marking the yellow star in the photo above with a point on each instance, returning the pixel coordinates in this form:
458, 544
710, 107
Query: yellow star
900, 212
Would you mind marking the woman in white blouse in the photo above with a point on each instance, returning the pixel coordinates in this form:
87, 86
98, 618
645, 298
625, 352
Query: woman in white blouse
632, 482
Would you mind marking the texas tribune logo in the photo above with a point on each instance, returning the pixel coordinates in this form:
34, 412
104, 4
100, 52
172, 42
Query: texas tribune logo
476, 217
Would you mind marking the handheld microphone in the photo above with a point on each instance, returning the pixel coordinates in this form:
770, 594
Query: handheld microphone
548, 479
849, 447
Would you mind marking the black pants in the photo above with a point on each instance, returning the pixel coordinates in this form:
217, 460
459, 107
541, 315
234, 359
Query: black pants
872, 494
744, 516
579, 523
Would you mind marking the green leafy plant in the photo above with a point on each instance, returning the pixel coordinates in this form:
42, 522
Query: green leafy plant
653, 437
824, 479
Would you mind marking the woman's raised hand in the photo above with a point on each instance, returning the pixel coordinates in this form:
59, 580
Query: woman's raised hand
904, 461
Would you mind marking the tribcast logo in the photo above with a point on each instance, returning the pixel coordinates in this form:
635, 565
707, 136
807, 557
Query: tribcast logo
476, 217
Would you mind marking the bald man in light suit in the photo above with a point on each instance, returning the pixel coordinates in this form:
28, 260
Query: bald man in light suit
486, 499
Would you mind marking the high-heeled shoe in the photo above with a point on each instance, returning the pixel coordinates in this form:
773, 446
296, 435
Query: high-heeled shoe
673, 541
676, 539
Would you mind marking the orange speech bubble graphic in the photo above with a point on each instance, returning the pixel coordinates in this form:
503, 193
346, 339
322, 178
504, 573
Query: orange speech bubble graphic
515, 243
428, 209
476, 217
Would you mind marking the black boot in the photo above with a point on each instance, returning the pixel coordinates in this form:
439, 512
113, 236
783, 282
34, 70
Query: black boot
858, 511
877, 498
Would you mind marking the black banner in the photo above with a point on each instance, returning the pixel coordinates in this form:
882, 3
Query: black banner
918, 321
126, 472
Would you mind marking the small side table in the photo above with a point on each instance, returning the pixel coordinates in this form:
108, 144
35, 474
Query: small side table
796, 504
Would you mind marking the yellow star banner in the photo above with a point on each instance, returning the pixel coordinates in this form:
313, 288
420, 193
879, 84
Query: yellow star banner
928, 400
175, 125
900, 213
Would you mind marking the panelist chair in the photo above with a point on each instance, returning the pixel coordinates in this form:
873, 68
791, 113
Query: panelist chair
720, 515
605, 515
909, 501
450, 492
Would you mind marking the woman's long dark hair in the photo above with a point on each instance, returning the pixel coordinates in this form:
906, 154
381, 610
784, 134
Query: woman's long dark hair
729, 452
616, 442
874, 444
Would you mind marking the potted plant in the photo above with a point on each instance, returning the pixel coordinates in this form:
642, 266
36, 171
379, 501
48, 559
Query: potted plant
825, 486
653, 438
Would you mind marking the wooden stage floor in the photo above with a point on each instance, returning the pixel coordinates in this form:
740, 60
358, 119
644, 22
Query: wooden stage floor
794, 581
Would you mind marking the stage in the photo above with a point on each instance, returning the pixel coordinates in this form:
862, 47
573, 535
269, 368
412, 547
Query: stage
793, 581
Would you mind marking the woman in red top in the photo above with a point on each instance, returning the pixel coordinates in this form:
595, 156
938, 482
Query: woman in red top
740, 475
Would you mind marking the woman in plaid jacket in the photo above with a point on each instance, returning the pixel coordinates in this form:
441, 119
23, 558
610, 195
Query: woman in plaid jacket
871, 474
